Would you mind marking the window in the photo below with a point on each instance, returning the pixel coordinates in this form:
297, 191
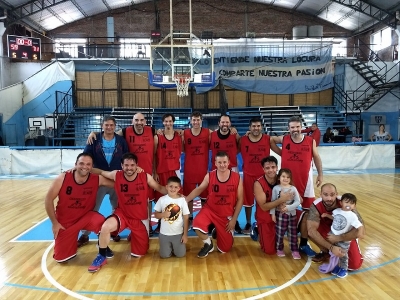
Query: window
381, 39
69, 47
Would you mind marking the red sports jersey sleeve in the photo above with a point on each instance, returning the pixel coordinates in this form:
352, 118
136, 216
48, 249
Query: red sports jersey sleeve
132, 195
229, 145
142, 145
253, 153
222, 196
260, 215
196, 155
298, 157
169, 153
75, 200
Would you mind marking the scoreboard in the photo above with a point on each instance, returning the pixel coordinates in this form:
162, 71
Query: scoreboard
23, 47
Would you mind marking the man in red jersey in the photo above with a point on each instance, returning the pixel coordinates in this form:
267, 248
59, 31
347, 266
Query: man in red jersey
223, 140
253, 148
262, 192
76, 193
224, 202
298, 152
319, 228
132, 190
196, 147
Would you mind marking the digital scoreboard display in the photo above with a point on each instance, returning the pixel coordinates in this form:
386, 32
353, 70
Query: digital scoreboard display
23, 47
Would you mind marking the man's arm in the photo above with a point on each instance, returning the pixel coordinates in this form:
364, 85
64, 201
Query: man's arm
155, 158
155, 185
107, 181
273, 141
52, 193
318, 164
199, 189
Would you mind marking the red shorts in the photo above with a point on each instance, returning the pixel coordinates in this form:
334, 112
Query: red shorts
65, 246
189, 186
248, 189
204, 218
267, 237
139, 232
307, 202
163, 179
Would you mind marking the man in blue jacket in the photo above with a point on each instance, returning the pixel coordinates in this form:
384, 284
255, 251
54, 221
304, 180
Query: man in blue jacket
107, 151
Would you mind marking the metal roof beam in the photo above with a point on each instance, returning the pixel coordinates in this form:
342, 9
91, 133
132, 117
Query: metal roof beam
80, 8
378, 14
106, 4
297, 5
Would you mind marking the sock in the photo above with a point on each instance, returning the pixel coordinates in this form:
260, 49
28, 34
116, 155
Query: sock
207, 241
103, 251
303, 241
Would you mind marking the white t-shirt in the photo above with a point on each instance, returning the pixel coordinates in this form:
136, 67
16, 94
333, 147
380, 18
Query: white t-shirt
174, 224
381, 136
343, 221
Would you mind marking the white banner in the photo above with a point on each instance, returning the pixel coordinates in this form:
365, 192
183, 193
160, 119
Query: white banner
5, 161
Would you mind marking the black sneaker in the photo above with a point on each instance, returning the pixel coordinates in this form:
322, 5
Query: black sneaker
238, 229
210, 228
83, 240
207, 248
116, 238
321, 257
247, 229
214, 233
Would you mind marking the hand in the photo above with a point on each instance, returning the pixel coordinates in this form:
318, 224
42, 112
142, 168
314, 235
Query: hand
56, 227
139, 170
230, 226
247, 133
337, 251
284, 209
91, 138
286, 196
166, 214
184, 239
319, 180
324, 215
156, 178
233, 130
179, 131
160, 131
70, 170
333, 239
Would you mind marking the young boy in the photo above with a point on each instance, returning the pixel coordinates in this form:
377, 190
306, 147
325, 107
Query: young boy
173, 211
343, 221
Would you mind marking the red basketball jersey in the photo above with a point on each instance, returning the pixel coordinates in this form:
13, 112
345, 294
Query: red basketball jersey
298, 157
132, 195
252, 153
196, 155
325, 223
222, 196
260, 215
225, 143
169, 153
74, 199
142, 145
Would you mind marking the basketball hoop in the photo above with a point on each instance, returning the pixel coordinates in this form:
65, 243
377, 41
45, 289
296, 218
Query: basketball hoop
182, 84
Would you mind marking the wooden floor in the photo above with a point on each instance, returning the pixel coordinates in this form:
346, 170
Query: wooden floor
244, 272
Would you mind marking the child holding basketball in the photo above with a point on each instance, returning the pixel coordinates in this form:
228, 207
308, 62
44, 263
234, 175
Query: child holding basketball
173, 211
284, 215
344, 219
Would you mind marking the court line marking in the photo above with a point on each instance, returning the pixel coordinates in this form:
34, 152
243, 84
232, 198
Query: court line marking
55, 282
285, 285
29, 229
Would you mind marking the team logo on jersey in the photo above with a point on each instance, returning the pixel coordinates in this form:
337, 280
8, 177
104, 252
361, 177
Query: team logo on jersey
222, 201
169, 155
77, 205
139, 149
295, 157
132, 201
196, 151
255, 158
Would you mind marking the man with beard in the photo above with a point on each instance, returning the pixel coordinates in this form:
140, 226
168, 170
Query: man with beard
253, 148
76, 192
319, 228
131, 212
298, 153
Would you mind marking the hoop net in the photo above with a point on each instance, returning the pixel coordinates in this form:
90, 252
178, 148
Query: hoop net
182, 85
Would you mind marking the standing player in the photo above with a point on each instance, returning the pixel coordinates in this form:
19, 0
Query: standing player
76, 192
132, 190
196, 147
224, 202
253, 148
298, 152
263, 192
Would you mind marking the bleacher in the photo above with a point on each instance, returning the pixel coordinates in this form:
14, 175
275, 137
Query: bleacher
276, 118
240, 117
